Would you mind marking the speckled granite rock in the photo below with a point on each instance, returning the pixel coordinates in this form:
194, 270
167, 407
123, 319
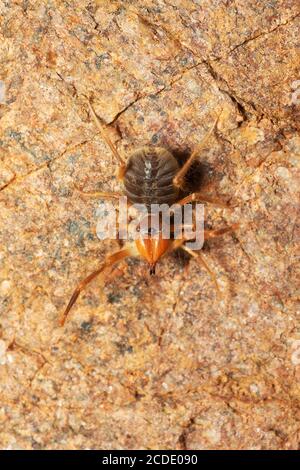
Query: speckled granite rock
151, 363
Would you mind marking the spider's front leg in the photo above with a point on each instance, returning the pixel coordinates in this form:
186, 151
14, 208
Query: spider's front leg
107, 140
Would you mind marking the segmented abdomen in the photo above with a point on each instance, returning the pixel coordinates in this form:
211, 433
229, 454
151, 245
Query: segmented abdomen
149, 177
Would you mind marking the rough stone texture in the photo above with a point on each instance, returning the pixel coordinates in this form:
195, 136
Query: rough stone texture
149, 362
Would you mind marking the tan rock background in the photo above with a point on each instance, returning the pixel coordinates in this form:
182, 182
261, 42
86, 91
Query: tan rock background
151, 363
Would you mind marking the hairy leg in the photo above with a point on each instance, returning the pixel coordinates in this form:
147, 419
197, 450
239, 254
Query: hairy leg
110, 260
203, 198
178, 180
99, 194
198, 256
105, 136
219, 232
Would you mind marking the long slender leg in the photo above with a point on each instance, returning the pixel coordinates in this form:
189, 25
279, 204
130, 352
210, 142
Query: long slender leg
99, 194
201, 261
218, 232
177, 243
105, 195
207, 234
112, 259
203, 198
122, 164
102, 195
178, 180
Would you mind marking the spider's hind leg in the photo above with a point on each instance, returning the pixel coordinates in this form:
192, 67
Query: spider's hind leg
110, 260
198, 256
179, 178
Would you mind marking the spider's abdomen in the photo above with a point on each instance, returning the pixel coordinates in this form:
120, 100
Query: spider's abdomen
149, 177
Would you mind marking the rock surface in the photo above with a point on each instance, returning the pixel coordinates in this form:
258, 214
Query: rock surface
160, 362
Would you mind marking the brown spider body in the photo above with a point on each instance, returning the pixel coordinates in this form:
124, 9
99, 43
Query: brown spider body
148, 180
152, 175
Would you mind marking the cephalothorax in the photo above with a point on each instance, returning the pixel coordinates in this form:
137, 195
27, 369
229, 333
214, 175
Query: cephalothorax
151, 175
